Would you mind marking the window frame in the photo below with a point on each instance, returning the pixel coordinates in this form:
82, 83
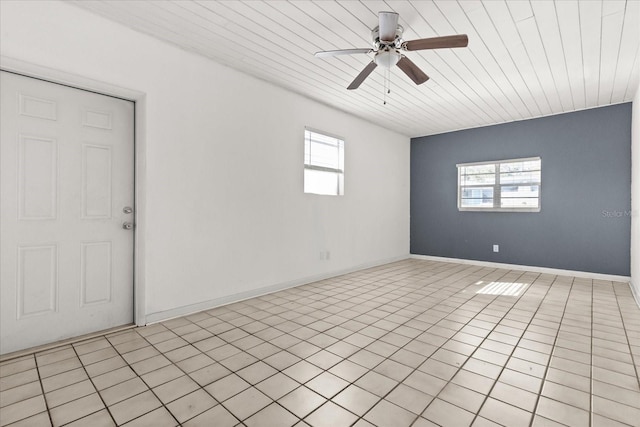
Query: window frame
497, 187
338, 171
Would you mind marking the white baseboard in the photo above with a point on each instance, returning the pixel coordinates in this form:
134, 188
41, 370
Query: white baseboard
162, 316
635, 292
544, 270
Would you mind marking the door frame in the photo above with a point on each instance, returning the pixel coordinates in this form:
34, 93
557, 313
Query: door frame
139, 100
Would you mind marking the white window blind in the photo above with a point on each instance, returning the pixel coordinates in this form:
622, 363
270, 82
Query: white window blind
323, 164
503, 185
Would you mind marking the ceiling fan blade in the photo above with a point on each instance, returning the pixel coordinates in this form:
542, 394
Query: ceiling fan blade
355, 84
412, 70
459, 40
328, 53
388, 24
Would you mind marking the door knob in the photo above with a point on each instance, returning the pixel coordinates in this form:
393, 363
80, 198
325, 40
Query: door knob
127, 210
127, 225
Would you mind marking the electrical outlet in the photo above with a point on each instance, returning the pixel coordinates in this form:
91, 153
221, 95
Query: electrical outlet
327, 255
496, 248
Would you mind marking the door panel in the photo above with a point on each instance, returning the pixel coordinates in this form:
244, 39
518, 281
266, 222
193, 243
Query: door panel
66, 174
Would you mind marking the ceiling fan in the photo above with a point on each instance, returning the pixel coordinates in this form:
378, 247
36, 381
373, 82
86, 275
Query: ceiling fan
388, 46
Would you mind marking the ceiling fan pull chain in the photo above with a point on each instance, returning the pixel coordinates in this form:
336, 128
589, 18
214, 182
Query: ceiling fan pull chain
389, 81
386, 85
384, 88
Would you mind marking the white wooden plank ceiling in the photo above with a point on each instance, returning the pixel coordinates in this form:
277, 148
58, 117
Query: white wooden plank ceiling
525, 58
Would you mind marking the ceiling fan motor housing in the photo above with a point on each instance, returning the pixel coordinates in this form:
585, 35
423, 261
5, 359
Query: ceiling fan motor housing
379, 44
387, 54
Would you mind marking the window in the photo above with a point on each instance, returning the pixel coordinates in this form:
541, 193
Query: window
323, 164
505, 185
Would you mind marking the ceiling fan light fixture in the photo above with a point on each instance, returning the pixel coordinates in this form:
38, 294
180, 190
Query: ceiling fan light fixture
387, 58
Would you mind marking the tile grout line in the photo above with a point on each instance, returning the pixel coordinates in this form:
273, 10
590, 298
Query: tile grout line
413, 339
387, 358
592, 395
94, 387
553, 347
437, 348
338, 340
389, 292
44, 396
476, 415
413, 370
352, 333
626, 334
149, 388
90, 378
221, 403
470, 355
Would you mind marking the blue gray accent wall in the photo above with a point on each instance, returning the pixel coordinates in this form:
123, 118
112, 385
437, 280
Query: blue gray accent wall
585, 219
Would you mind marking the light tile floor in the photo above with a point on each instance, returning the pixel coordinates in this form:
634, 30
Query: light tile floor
415, 342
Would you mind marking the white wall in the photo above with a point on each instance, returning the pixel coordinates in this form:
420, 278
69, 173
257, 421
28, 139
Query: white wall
225, 211
635, 195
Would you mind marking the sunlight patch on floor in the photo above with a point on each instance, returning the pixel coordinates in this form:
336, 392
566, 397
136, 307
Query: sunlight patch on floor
512, 289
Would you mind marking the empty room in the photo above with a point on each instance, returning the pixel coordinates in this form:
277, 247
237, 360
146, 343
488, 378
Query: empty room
319, 213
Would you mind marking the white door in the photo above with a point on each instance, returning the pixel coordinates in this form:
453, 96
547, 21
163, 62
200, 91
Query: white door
66, 179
